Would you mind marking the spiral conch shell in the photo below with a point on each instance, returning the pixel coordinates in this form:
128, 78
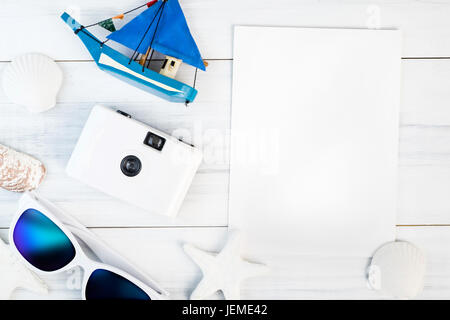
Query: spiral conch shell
19, 172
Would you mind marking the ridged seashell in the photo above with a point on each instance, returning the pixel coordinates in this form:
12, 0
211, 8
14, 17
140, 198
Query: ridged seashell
398, 269
19, 172
33, 80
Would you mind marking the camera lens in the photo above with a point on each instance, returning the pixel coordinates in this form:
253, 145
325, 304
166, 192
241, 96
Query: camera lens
131, 166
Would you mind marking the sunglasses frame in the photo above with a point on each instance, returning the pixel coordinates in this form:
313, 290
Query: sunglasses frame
79, 260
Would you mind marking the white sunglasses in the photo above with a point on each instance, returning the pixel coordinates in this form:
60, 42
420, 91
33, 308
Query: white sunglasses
42, 237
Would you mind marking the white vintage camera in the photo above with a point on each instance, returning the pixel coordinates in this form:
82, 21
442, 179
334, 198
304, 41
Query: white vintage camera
129, 160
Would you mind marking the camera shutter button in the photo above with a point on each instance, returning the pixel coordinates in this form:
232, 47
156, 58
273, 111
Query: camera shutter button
123, 113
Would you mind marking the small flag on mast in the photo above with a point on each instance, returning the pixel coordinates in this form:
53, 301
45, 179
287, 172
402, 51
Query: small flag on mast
149, 4
108, 24
120, 16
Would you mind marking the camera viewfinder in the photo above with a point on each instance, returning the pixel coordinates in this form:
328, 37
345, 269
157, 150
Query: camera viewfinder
154, 141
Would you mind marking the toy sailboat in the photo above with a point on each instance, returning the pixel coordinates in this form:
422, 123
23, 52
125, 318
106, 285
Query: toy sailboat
161, 27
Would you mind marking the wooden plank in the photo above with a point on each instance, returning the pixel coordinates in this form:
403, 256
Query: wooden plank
291, 277
51, 137
424, 143
425, 93
423, 196
93, 208
159, 252
84, 82
37, 26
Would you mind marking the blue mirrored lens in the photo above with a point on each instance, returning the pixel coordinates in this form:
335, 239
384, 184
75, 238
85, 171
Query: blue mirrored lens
41, 242
104, 284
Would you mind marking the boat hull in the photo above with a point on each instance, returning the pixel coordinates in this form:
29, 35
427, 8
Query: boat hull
120, 66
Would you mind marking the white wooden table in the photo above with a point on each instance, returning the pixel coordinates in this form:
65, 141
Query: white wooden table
153, 242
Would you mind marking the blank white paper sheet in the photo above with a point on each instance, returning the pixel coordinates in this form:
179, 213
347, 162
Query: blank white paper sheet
314, 139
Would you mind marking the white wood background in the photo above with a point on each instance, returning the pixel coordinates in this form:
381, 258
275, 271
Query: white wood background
154, 243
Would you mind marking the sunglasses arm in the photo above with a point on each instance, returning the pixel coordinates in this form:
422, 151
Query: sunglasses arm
102, 250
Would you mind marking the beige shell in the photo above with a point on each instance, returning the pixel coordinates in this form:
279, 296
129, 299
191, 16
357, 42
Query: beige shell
398, 270
19, 172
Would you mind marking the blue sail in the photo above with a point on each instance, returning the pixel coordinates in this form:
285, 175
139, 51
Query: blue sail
172, 37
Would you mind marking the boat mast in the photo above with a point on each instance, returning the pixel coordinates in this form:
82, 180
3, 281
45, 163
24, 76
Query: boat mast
144, 56
153, 38
143, 59
146, 31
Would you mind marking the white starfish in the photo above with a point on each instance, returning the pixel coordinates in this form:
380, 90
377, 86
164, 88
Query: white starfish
15, 275
223, 271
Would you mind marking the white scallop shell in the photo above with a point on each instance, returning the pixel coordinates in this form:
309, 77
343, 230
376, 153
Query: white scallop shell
32, 80
19, 172
398, 269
